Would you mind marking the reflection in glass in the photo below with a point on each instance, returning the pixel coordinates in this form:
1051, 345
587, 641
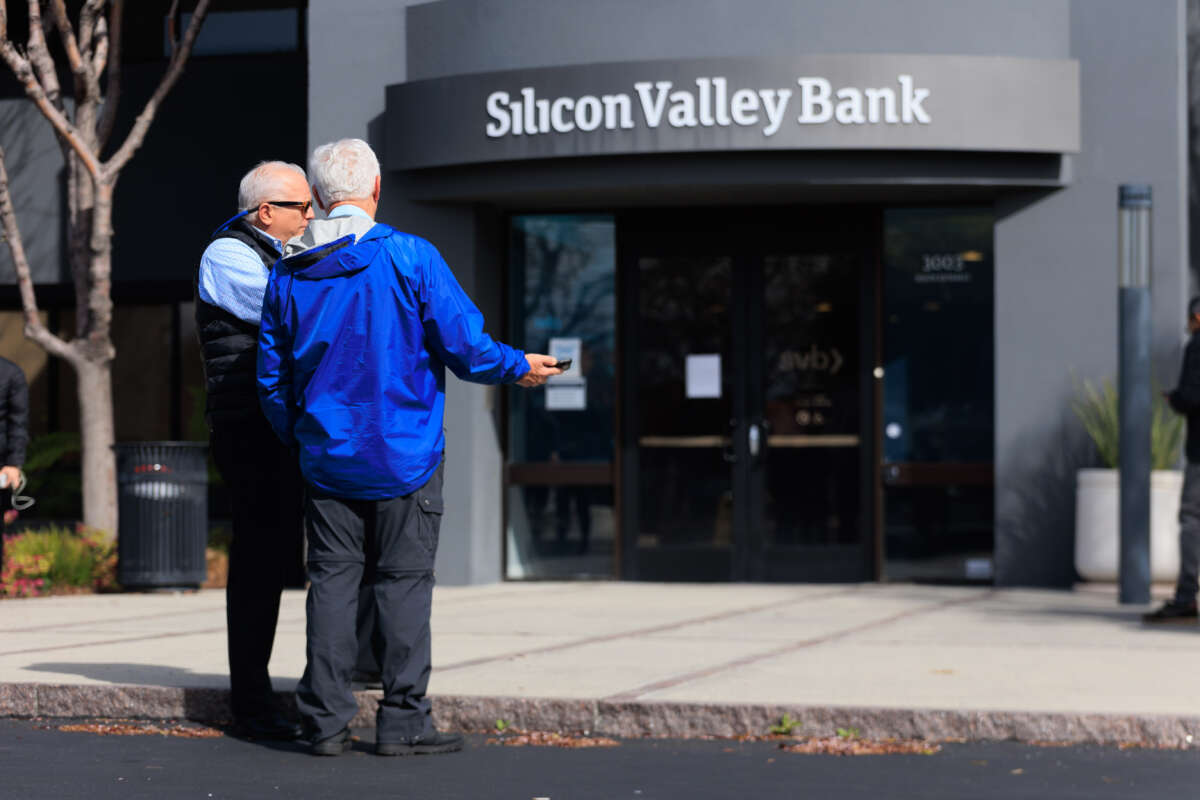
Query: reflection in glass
563, 282
684, 480
938, 390
560, 532
938, 329
811, 352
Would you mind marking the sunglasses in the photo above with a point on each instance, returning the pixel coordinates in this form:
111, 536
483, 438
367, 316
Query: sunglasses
303, 205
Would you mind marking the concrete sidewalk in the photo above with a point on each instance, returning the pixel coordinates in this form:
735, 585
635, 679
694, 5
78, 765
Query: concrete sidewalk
678, 660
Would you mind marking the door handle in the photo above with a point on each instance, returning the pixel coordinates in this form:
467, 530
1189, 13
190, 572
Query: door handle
754, 439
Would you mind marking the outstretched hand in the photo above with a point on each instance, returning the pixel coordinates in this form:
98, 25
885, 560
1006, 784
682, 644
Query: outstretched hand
541, 367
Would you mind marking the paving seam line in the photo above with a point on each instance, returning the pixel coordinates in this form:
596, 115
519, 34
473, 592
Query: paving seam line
632, 695
128, 639
110, 620
453, 601
608, 637
523, 593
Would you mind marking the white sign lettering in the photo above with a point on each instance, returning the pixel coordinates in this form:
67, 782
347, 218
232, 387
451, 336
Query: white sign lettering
710, 103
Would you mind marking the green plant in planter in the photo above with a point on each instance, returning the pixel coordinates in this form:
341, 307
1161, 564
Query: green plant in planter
1098, 410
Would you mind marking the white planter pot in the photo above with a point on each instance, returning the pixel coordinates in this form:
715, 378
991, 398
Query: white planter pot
1097, 526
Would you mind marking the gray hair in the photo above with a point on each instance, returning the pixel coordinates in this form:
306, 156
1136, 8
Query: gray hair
344, 170
265, 183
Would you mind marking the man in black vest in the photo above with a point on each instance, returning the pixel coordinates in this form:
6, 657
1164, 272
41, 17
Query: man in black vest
261, 473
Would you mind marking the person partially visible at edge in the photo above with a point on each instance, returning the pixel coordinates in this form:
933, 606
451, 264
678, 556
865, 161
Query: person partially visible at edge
260, 472
1185, 399
360, 322
14, 435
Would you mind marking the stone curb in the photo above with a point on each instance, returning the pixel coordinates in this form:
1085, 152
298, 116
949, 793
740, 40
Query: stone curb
631, 719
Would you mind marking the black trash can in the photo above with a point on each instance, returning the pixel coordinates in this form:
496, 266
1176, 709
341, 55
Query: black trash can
162, 504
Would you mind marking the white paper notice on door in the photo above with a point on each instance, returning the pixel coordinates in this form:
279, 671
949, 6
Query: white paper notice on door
703, 376
567, 397
567, 348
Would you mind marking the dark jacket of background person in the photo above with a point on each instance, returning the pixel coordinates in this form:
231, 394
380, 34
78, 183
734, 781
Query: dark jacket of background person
1185, 398
14, 414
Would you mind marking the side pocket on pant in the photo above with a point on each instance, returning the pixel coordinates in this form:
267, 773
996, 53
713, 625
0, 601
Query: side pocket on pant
429, 526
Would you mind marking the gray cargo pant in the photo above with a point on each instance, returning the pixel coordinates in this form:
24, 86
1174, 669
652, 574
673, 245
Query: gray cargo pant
399, 538
1189, 537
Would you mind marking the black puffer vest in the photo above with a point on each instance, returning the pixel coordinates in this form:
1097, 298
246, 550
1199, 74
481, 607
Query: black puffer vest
230, 345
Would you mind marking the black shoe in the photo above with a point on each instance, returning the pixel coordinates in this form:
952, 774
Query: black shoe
272, 725
436, 742
1173, 611
360, 679
332, 745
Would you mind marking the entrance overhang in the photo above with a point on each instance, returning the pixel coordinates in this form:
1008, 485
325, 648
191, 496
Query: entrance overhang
740, 178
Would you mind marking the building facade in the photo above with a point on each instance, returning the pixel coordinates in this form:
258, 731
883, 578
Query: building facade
825, 270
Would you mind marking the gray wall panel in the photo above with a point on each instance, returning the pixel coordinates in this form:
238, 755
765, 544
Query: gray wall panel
454, 37
355, 49
1056, 276
35, 170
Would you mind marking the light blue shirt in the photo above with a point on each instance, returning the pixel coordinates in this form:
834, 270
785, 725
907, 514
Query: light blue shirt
232, 276
348, 210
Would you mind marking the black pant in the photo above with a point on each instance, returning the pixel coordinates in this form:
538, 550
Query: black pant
266, 495
398, 538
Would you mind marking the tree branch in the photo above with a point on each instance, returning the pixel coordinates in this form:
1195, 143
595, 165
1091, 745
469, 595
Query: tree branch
34, 91
174, 69
100, 54
112, 93
39, 56
87, 84
67, 33
34, 328
172, 27
88, 18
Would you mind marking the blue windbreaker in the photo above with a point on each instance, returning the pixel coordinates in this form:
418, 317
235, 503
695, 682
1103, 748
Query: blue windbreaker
353, 346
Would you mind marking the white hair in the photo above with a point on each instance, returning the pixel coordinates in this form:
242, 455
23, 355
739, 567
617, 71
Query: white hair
264, 183
344, 170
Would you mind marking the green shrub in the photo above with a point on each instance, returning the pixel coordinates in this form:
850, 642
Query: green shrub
1099, 411
40, 562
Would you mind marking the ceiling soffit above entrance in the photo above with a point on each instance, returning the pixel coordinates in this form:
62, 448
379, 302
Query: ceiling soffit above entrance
739, 177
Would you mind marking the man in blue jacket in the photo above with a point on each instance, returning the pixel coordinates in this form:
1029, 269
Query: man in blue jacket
359, 323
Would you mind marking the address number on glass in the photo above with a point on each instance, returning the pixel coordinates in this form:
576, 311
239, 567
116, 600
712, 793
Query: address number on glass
942, 262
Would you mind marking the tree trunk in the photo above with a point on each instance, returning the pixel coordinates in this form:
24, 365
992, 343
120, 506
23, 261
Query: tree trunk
99, 466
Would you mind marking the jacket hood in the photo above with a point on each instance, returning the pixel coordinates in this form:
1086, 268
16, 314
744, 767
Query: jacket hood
325, 251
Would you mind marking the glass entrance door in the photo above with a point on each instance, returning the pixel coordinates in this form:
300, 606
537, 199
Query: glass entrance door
745, 406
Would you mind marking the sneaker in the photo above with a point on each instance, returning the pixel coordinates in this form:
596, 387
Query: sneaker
1173, 611
332, 745
436, 742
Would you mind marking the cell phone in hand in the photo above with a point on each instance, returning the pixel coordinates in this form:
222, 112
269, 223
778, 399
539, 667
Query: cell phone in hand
564, 365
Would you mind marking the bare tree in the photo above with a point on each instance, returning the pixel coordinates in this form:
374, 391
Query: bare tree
91, 44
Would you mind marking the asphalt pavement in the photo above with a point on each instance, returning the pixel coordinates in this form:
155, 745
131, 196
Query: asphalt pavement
39, 760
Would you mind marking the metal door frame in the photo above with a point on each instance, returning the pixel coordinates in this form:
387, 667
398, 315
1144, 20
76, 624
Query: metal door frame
749, 489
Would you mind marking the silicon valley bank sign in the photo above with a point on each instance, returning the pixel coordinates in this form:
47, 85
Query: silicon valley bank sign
836, 102
709, 104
